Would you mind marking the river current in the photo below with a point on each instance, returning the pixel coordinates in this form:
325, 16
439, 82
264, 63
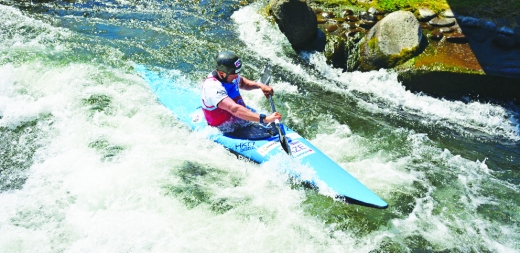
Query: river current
90, 161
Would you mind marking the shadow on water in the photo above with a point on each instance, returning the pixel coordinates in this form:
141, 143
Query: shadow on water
491, 45
492, 32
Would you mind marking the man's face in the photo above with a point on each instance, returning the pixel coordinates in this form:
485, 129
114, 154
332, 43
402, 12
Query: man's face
229, 78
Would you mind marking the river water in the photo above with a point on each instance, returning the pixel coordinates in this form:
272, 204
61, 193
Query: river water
92, 162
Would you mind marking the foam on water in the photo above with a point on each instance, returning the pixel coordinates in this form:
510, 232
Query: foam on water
383, 94
105, 180
116, 171
450, 193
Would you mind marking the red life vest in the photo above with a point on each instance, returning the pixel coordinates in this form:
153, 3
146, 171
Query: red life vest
214, 115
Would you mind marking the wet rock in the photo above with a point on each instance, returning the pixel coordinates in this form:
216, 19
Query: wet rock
298, 22
374, 11
368, 16
469, 22
339, 20
426, 26
503, 41
346, 12
351, 18
448, 13
436, 35
349, 25
471, 30
391, 41
327, 15
479, 37
442, 22
366, 24
330, 27
457, 38
488, 25
506, 31
424, 14
447, 29
335, 51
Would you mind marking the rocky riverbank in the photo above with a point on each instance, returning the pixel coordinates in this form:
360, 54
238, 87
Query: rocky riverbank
438, 53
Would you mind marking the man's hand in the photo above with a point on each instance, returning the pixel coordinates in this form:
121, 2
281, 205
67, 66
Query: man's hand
267, 90
273, 117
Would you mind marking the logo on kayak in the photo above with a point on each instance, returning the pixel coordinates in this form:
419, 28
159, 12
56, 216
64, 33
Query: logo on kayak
245, 146
299, 149
266, 148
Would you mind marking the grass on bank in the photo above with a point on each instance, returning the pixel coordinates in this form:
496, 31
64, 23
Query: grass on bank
477, 8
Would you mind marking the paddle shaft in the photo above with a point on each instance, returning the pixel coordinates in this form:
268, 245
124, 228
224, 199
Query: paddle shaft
281, 133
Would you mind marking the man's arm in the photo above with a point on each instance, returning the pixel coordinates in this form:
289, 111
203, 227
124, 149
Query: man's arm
247, 84
242, 112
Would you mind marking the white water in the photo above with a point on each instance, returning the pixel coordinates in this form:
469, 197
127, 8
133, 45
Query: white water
74, 201
389, 96
79, 199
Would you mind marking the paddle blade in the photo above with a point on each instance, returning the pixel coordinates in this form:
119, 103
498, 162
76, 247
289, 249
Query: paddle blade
285, 145
283, 139
266, 76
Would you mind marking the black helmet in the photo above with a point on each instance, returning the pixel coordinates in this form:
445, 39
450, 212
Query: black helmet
229, 63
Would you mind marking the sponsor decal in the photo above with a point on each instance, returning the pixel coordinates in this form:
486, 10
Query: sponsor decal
221, 92
266, 148
245, 146
299, 149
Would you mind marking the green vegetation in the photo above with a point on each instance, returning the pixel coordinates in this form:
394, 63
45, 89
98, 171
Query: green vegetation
480, 8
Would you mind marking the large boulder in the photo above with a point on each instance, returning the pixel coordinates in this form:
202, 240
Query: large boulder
298, 22
392, 41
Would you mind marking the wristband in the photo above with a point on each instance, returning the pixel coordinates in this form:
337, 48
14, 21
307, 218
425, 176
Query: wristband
262, 117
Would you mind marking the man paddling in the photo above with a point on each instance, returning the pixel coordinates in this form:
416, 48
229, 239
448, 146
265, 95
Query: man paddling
221, 100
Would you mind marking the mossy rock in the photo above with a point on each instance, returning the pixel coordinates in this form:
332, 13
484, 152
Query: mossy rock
335, 51
392, 41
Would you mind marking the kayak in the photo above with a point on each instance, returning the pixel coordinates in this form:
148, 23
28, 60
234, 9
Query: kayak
184, 103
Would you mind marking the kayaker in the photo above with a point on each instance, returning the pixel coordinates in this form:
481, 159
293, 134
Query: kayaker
222, 103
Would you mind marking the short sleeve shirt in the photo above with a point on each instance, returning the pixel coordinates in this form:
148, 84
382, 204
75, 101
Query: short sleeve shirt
213, 92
